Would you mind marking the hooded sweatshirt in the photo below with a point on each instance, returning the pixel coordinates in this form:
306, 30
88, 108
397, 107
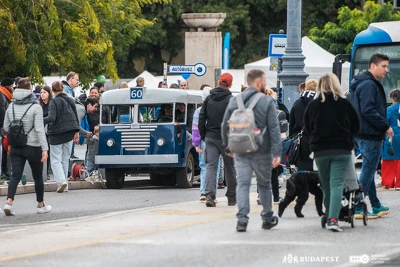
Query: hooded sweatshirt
33, 119
367, 96
297, 112
212, 113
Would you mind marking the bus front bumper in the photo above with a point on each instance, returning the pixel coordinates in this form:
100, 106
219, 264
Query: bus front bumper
136, 159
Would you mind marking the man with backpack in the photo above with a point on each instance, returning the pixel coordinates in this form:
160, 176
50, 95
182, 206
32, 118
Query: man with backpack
261, 157
210, 118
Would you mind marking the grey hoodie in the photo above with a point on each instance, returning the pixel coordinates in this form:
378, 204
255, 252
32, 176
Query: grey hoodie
33, 118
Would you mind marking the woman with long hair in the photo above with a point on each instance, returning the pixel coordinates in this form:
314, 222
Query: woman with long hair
332, 123
44, 100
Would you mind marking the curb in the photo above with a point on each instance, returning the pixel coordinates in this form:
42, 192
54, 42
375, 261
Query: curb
72, 185
50, 186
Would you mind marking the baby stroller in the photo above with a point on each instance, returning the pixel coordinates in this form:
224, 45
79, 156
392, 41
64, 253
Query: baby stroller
353, 194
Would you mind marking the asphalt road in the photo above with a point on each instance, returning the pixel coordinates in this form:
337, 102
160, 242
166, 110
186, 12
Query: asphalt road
148, 226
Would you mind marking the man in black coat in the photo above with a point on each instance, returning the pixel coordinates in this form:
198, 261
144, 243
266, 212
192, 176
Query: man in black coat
210, 119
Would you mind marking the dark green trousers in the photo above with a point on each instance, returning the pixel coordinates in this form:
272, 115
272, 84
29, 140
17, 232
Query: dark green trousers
332, 171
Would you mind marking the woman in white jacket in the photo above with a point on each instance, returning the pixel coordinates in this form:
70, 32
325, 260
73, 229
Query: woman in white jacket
35, 151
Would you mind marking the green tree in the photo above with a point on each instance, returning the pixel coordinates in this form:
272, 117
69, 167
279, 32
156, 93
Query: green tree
41, 37
338, 38
250, 22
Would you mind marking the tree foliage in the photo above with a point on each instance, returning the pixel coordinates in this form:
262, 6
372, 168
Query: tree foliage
40, 37
249, 21
338, 38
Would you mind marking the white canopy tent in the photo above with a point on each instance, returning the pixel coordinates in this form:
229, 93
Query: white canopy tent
317, 63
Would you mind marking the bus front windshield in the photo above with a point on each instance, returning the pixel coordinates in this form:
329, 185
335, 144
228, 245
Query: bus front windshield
364, 53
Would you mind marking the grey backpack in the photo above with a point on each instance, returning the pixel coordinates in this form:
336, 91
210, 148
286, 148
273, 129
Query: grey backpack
244, 136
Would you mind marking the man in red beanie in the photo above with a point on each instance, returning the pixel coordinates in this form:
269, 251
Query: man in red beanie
6, 91
210, 119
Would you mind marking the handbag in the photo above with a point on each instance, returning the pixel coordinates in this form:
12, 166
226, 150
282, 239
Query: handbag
294, 149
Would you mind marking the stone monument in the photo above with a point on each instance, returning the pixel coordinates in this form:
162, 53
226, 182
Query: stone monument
203, 44
293, 61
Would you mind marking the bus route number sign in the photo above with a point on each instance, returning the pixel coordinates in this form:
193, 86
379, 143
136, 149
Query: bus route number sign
136, 93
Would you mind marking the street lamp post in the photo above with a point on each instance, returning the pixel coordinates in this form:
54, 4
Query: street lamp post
293, 60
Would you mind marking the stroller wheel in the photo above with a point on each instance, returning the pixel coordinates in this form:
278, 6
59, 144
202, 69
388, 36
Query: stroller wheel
351, 218
365, 215
323, 221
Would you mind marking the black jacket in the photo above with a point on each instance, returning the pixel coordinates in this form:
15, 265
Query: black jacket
297, 112
331, 125
367, 96
212, 113
62, 119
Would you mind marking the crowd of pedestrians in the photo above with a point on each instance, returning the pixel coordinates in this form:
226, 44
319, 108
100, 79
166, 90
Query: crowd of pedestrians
329, 125
52, 120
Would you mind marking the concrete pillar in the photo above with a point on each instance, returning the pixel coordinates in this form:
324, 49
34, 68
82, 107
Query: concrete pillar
203, 44
293, 61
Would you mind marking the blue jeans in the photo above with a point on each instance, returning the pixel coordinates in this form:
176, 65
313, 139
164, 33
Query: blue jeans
91, 166
59, 159
371, 152
203, 167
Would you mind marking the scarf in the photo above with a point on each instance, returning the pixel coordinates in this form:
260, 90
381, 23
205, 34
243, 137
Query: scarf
6, 93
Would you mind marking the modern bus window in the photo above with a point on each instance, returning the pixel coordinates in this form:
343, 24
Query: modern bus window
153, 113
119, 114
392, 79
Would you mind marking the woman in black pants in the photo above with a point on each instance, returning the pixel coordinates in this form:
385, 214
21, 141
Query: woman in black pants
35, 150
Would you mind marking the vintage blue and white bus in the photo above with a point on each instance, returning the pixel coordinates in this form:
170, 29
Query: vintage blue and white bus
380, 37
145, 130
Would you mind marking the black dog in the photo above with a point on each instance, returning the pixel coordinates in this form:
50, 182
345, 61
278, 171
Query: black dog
300, 185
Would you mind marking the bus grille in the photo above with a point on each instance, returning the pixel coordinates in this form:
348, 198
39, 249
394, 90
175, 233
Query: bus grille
135, 138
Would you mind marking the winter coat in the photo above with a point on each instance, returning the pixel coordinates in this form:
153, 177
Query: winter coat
367, 96
93, 148
212, 113
297, 112
331, 125
67, 89
196, 138
63, 119
391, 116
33, 118
265, 117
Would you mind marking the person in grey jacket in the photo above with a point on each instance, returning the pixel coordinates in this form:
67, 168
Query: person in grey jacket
36, 148
267, 157
63, 130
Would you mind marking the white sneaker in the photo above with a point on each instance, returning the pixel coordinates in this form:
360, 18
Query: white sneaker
8, 210
61, 188
44, 209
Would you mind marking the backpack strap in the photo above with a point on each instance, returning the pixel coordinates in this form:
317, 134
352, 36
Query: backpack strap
239, 100
25, 111
24, 116
255, 99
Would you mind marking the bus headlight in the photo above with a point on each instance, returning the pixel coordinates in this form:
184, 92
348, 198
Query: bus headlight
161, 142
110, 142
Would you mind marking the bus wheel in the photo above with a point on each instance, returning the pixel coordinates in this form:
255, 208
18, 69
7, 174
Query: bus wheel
115, 178
185, 176
155, 179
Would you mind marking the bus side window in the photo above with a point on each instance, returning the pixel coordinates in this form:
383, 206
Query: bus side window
190, 111
180, 112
